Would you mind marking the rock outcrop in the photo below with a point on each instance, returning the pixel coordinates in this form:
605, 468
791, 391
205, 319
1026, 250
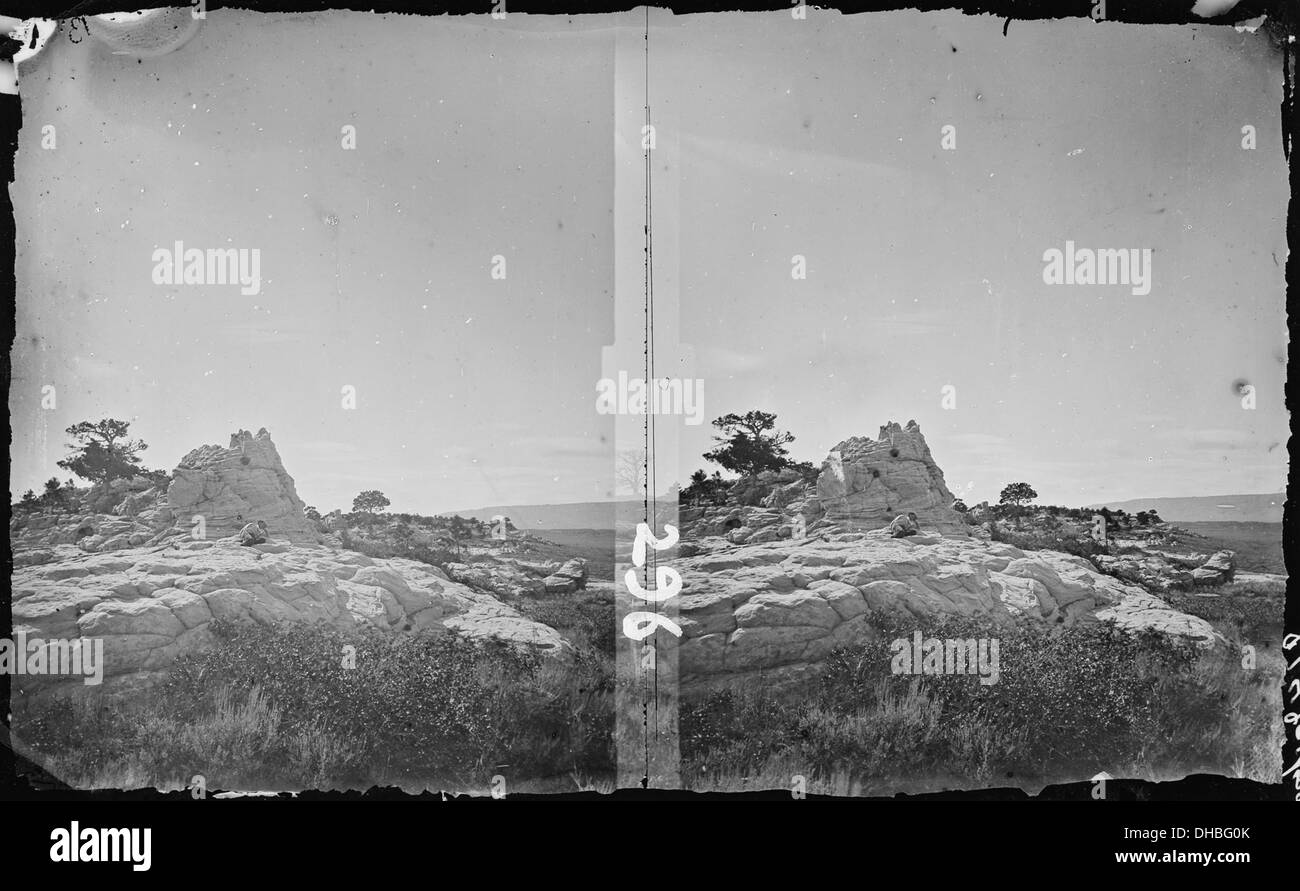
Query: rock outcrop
236, 485
130, 563
868, 482
1162, 571
785, 572
227, 488
501, 578
863, 484
568, 578
776, 610
151, 605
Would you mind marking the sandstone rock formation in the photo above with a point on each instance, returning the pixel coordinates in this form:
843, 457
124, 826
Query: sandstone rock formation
776, 610
864, 484
521, 577
129, 564
226, 487
33, 535
867, 482
1162, 571
237, 485
568, 578
772, 585
501, 578
151, 605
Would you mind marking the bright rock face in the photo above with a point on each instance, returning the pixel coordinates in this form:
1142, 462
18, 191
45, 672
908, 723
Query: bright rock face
237, 485
568, 578
1170, 572
869, 482
228, 488
776, 610
129, 565
770, 587
151, 605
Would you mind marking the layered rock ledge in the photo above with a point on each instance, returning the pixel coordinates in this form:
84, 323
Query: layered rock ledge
774, 611
151, 605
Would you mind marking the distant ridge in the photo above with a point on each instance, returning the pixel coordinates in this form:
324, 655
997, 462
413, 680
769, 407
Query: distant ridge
1265, 508
575, 515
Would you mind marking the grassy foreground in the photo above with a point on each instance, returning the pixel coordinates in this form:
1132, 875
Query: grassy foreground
1071, 702
279, 708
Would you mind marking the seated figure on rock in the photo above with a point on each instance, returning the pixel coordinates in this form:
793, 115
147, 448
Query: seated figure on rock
904, 525
253, 534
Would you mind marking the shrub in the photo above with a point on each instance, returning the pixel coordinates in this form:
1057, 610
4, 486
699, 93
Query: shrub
1070, 701
585, 619
1240, 611
274, 707
808, 471
704, 489
1053, 539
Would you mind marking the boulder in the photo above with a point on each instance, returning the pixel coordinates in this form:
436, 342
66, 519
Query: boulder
1224, 563
559, 584
575, 570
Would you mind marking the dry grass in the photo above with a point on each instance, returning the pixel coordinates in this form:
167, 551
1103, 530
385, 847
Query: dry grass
1069, 704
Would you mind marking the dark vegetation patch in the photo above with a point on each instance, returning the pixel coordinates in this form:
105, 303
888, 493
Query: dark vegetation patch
277, 708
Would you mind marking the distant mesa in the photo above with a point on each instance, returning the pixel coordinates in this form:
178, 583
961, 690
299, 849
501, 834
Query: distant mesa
605, 515
1255, 508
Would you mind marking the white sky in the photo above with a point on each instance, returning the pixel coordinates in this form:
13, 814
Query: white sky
818, 138
925, 265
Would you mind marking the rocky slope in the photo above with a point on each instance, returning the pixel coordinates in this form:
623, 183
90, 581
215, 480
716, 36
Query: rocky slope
518, 565
151, 605
775, 610
758, 601
1158, 555
147, 580
212, 493
1164, 571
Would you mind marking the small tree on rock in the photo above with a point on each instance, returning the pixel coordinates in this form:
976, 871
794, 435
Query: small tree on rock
371, 501
750, 443
102, 452
459, 530
703, 488
53, 493
1017, 494
371, 504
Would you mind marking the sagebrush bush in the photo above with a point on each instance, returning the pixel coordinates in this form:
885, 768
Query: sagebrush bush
585, 618
1241, 611
1070, 701
1031, 539
275, 707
